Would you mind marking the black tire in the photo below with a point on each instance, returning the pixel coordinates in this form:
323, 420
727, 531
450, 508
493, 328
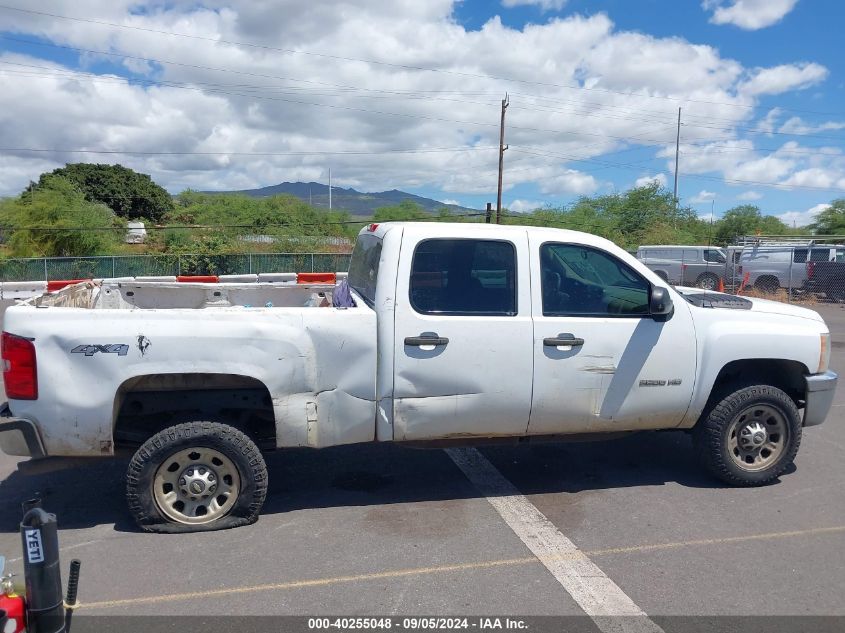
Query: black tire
714, 431
707, 281
662, 274
221, 438
837, 295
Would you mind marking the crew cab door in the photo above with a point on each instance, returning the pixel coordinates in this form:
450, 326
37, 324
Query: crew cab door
463, 335
624, 369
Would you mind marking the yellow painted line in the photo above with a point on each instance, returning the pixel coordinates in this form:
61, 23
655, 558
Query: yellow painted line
317, 582
457, 567
718, 541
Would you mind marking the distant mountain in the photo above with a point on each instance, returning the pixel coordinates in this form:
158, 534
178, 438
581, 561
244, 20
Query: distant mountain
355, 202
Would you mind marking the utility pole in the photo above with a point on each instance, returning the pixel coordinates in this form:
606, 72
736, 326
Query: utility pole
677, 152
502, 148
330, 188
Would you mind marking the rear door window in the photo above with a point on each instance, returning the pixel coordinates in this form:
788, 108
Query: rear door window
464, 277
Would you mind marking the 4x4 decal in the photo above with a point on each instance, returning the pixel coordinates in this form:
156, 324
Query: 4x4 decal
89, 350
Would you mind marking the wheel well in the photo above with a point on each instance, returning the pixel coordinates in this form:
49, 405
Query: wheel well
763, 280
786, 375
145, 405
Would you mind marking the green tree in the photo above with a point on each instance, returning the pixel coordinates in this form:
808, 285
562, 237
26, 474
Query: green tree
403, 212
235, 222
55, 220
643, 215
831, 221
747, 219
126, 192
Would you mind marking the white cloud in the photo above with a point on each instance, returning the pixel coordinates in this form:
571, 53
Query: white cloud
545, 5
768, 123
269, 102
703, 196
646, 181
451, 201
796, 125
779, 79
802, 218
817, 177
749, 196
749, 14
569, 181
524, 206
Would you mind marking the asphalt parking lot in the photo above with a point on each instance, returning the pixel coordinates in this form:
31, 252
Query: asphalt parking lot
387, 530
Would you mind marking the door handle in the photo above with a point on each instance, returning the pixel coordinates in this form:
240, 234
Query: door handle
419, 341
563, 339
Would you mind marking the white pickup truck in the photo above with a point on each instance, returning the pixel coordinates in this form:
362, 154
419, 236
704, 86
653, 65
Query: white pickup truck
458, 332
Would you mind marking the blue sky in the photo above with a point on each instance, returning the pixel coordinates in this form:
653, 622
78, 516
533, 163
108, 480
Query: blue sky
402, 94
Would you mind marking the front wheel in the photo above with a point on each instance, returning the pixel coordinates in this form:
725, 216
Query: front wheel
751, 437
196, 476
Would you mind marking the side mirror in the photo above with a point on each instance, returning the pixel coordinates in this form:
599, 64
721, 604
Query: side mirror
660, 303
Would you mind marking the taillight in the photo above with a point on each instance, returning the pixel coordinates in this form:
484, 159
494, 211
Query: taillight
20, 373
811, 266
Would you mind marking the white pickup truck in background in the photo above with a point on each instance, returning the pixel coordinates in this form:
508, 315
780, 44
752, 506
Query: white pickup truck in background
459, 332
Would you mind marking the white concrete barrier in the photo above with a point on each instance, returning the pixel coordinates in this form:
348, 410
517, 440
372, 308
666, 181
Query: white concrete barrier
238, 279
277, 277
22, 289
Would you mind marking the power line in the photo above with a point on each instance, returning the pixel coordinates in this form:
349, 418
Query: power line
342, 90
364, 110
380, 62
213, 89
57, 150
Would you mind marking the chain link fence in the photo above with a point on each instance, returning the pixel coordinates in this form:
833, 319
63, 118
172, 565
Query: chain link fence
50, 268
802, 270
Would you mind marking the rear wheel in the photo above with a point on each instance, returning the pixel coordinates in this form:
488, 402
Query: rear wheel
708, 281
194, 477
769, 285
751, 437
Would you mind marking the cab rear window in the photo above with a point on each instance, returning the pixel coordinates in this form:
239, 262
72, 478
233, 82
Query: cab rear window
363, 267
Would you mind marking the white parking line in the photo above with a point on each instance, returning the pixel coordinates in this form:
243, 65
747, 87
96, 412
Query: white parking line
600, 598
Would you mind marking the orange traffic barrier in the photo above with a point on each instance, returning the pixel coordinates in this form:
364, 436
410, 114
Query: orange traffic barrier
316, 278
58, 284
198, 279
